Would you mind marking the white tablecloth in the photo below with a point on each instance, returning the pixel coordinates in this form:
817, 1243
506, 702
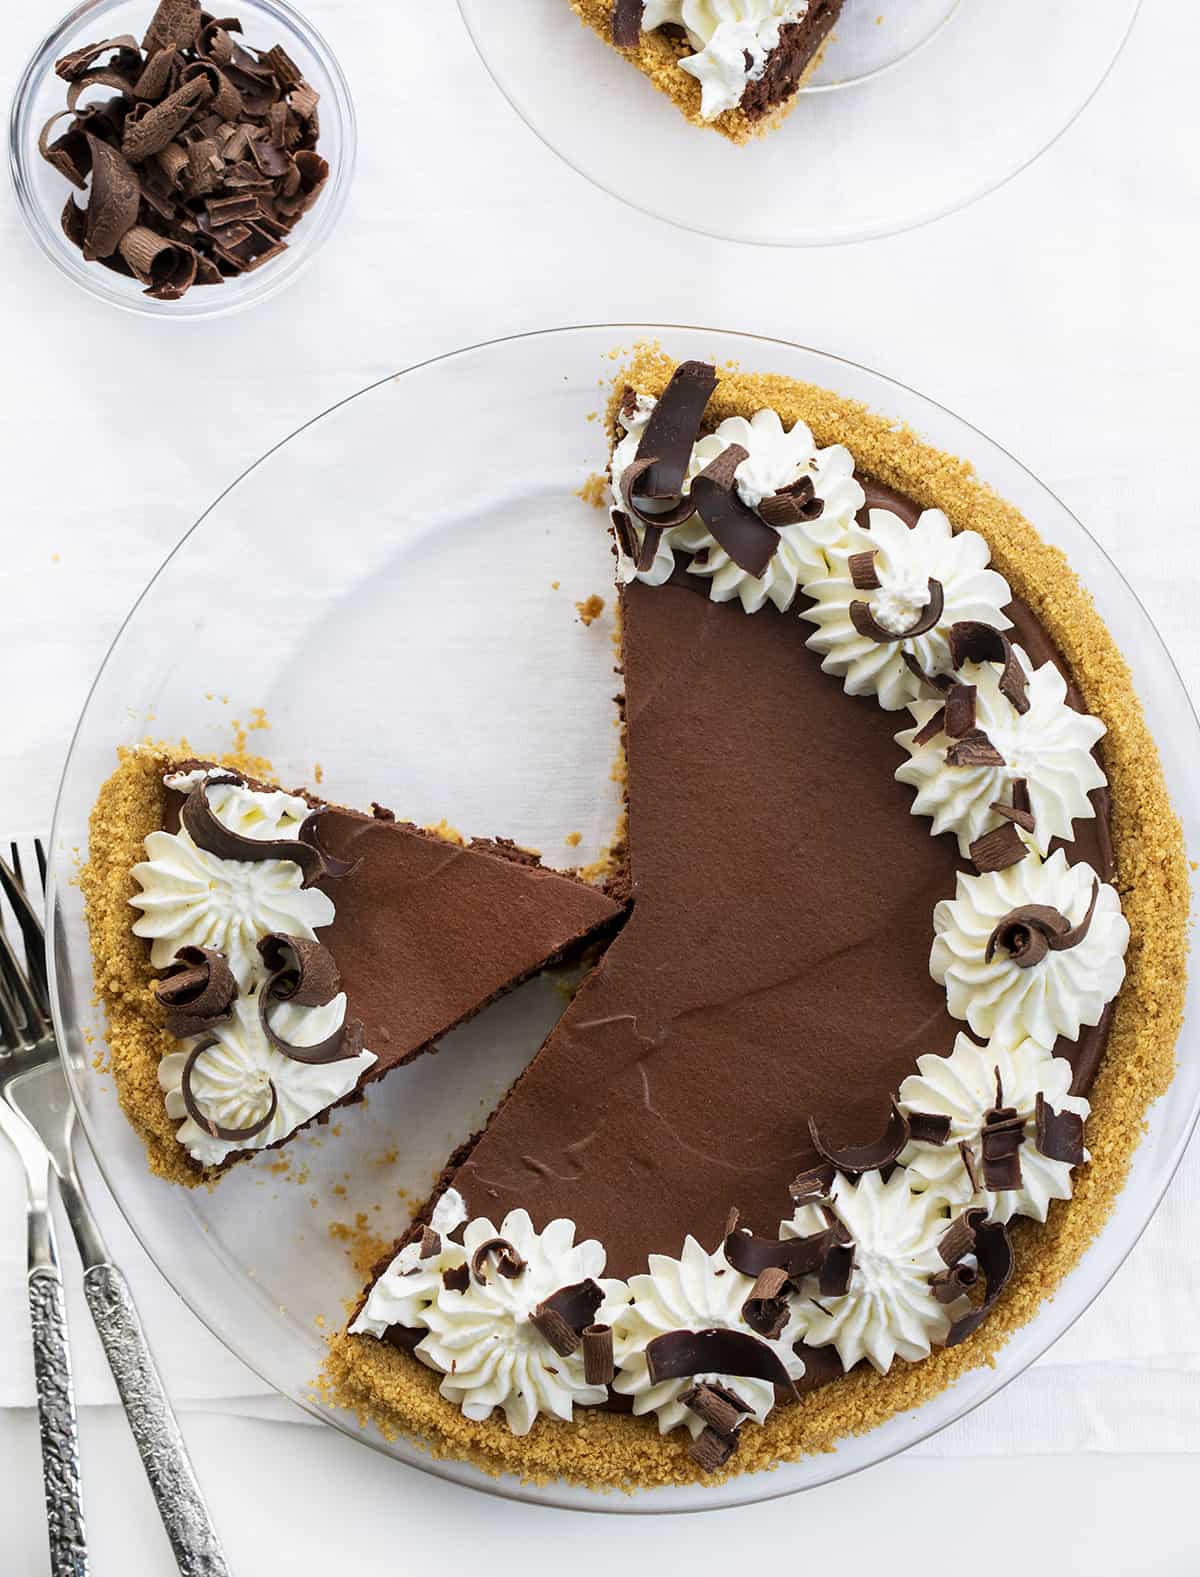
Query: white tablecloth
1060, 315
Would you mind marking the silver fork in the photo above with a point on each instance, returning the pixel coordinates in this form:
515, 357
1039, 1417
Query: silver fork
37, 1115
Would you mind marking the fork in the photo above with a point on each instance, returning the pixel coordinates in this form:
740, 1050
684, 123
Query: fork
38, 1117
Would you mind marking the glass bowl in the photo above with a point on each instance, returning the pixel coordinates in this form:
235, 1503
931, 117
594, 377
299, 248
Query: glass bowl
907, 119
401, 602
42, 192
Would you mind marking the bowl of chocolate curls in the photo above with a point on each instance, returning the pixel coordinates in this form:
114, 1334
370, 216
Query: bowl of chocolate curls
176, 162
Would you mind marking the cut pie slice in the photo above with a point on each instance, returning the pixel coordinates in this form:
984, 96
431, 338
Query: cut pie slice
405, 935
736, 69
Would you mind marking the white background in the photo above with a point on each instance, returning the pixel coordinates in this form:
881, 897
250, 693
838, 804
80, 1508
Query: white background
1060, 315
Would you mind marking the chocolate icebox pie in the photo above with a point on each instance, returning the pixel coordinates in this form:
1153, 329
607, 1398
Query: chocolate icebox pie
733, 65
883, 975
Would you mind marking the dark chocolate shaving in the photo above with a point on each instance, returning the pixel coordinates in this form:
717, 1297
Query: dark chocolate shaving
1030, 931
765, 1311
719, 1407
711, 1449
215, 1129
673, 426
679, 1354
949, 1285
113, 202
973, 642
456, 1278
929, 730
862, 571
343, 1045
737, 528
993, 1252
967, 1156
654, 520
554, 1330
957, 1241
197, 990
834, 1280
865, 622
928, 1127
431, 1243
973, 749
627, 23
1059, 1134
998, 849
796, 1257
1001, 1140
960, 710
508, 1262
871, 1157
939, 682
599, 1365
792, 504
301, 972
812, 1185
1020, 817
577, 1303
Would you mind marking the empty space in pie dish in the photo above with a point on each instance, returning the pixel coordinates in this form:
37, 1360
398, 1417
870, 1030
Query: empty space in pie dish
905, 118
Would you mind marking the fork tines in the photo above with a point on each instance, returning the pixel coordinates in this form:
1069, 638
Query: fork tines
24, 994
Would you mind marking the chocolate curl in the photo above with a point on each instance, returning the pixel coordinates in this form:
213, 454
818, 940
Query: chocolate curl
113, 203
656, 520
862, 571
949, 1285
333, 869
554, 1330
166, 268
865, 622
998, 849
792, 504
678, 1355
795, 1257
215, 1129
224, 100
719, 1407
174, 22
673, 427
456, 1278
1001, 1140
967, 1156
765, 1311
156, 74
627, 23
79, 62
161, 124
942, 683
743, 534
69, 154
563, 1317
174, 163
960, 710
214, 837
1031, 931
973, 642
834, 1280
812, 1185
197, 990
599, 1365
1019, 815
107, 78
282, 67
872, 1157
300, 971
993, 1252
930, 729
1059, 1134
431, 1243
508, 1262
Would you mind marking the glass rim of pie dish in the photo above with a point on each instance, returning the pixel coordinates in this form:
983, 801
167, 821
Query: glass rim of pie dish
882, 170
570, 360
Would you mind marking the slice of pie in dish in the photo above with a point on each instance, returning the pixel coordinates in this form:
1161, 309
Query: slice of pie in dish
893, 970
263, 955
732, 65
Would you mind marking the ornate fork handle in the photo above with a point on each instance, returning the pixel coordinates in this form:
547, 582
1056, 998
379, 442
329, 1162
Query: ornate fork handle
164, 1455
56, 1416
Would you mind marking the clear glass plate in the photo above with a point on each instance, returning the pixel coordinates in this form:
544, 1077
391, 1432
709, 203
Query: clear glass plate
909, 117
395, 586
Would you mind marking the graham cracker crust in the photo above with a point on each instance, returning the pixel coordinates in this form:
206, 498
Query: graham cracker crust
617, 1451
657, 57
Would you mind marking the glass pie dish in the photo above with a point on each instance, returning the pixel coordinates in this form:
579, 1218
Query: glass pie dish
418, 643
915, 111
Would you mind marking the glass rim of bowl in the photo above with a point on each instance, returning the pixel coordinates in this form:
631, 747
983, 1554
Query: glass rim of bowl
105, 285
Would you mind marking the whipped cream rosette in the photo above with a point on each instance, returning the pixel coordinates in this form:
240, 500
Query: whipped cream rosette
480, 1304
776, 459
731, 41
698, 1292
975, 1092
1048, 747
890, 597
1034, 951
889, 1309
191, 897
240, 1084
